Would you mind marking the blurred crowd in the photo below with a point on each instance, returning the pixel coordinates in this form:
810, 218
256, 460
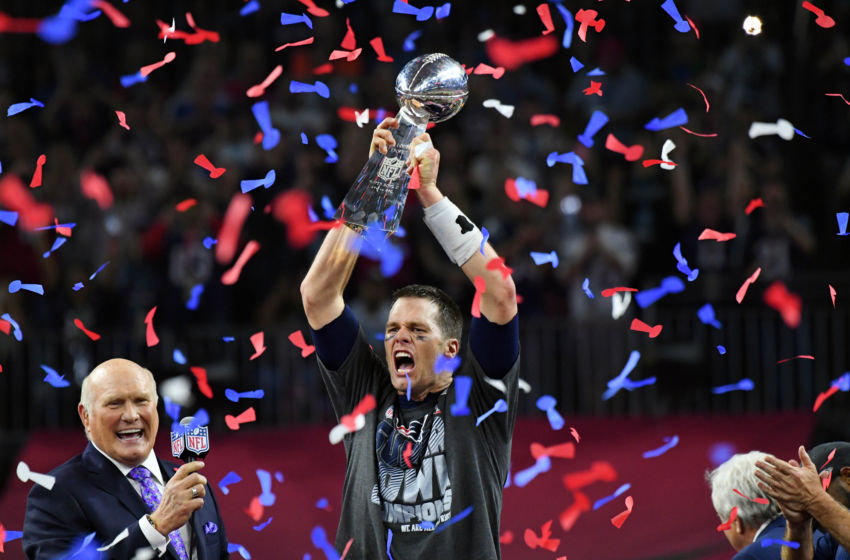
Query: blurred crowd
618, 230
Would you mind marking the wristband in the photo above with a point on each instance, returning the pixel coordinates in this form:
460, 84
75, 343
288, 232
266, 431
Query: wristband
456, 234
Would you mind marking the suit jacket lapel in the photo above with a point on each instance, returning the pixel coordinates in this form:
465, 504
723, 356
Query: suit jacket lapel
107, 477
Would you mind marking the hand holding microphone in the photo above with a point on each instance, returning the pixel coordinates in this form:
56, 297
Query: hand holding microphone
184, 493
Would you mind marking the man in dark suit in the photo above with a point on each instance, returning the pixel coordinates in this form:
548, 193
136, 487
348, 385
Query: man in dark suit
757, 522
118, 489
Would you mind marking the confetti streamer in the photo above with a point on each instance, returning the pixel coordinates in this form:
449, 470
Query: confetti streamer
92, 335
186, 204
319, 88
681, 25
36, 176
762, 501
824, 21
799, 357
248, 185
229, 478
26, 475
378, 45
743, 385
233, 396
308, 41
765, 542
618, 520
201, 377
146, 70
541, 119
546, 18
598, 119
258, 342
715, 235
231, 276
844, 99
96, 187
586, 287
234, 422
579, 176
547, 403
122, 119
53, 378
16, 286
602, 501
742, 291
500, 406
567, 41
532, 541
16, 108
640, 326
682, 264
150, 336
480, 288
456, 518
631, 153
677, 118
704, 98
753, 204
297, 338
832, 294
669, 443
117, 18
267, 497
587, 18
203, 161
228, 236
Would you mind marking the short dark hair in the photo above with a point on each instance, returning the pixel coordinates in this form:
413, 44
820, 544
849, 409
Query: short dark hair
449, 317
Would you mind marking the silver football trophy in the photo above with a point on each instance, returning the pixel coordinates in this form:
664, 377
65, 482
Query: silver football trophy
430, 88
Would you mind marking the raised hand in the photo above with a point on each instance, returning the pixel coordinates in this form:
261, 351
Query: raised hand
795, 486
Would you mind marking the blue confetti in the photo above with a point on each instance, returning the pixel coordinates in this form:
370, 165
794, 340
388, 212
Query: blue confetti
353, 88
16, 108
742, 385
579, 176
543, 258
209, 242
247, 185
677, 118
721, 349
500, 406
17, 333
576, 64
304, 139
670, 443
229, 478
410, 41
842, 222
547, 403
706, 316
78, 286
319, 88
443, 11
682, 26
179, 357
568, 32
328, 143
263, 525
602, 501
421, 14
460, 516
768, 542
195, 297
249, 8
485, 236
56, 244
8, 217
233, 547
622, 381
462, 384
443, 364
682, 264
290, 19
320, 541
586, 287
133, 79
669, 285
57, 30
228, 338
322, 503
95, 273
271, 135
523, 477
53, 377
598, 119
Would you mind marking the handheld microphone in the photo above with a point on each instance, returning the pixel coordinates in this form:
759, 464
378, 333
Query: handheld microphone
190, 443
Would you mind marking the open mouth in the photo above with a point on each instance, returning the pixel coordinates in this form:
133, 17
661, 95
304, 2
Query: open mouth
130, 435
403, 362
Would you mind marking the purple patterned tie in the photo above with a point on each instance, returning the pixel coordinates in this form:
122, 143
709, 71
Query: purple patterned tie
152, 497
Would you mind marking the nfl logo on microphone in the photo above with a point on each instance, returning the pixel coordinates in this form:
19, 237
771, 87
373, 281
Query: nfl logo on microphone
198, 440
176, 444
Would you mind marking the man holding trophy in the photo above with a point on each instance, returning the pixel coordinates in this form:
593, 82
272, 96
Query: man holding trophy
425, 474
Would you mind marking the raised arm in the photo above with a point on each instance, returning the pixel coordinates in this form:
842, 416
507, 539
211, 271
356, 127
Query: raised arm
322, 288
459, 237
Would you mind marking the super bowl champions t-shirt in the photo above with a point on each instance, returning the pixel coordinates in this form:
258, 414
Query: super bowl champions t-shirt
416, 473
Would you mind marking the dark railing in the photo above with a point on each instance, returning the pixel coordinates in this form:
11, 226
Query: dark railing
569, 360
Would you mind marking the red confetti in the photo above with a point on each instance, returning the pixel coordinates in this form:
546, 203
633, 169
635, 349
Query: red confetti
92, 335
540, 197
203, 385
351, 540
259, 344
292, 207
255, 509
640, 326
608, 292
546, 18
513, 54
599, 471
575, 434
839, 95
117, 18
649, 162
480, 288
594, 89
570, 515
186, 204
215, 172
228, 236
16, 197
2, 537
832, 294
532, 541
297, 338
693, 26
587, 18
122, 119
66, 231
146, 70
618, 520
233, 422
378, 45
232, 276
314, 10
551, 120
414, 180
800, 357
825, 480
18, 25
753, 204
5, 326
828, 459
486, 69
308, 41
702, 135
507, 537
36, 177
200, 35
365, 405
348, 55
97, 188
742, 291
260, 89
823, 396
561, 451
728, 525
150, 335
704, 98
822, 19
631, 153
789, 305
762, 501
498, 263
715, 235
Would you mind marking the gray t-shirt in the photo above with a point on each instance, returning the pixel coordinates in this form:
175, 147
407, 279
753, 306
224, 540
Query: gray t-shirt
439, 487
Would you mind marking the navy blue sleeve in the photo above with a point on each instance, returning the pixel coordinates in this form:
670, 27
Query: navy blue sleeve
335, 340
496, 347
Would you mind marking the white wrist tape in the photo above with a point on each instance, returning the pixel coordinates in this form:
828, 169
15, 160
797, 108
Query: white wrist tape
456, 234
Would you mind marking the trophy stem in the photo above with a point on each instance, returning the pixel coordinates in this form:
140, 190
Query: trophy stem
377, 196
